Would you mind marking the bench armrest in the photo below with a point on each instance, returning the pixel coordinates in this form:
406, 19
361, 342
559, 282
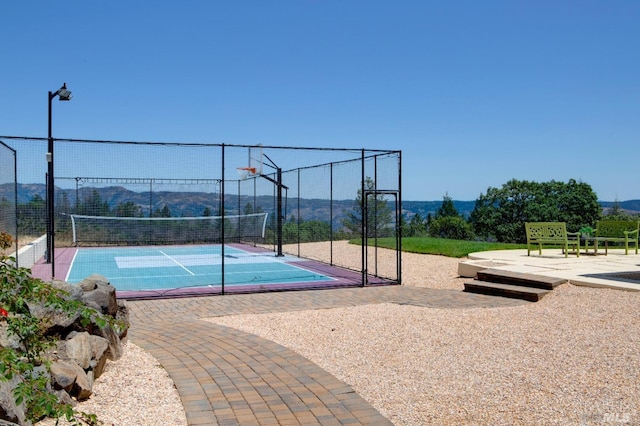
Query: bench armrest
635, 231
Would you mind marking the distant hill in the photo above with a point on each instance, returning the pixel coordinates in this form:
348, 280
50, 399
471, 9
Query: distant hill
431, 207
194, 203
185, 203
466, 207
630, 206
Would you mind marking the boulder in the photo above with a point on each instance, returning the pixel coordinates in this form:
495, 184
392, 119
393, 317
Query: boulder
80, 354
72, 378
99, 355
78, 348
64, 374
74, 291
8, 340
82, 388
58, 320
99, 294
9, 410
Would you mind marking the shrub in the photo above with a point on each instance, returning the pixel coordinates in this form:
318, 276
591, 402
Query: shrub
24, 363
453, 227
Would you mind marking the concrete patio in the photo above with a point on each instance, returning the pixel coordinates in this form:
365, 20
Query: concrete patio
615, 270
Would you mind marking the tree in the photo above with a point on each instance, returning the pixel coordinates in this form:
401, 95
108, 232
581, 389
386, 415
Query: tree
315, 230
447, 208
617, 213
128, 209
500, 214
6, 210
63, 205
378, 213
452, 227
94, 205
32, 217
416, 226
165, 212
290, 230
448, 223
577, 203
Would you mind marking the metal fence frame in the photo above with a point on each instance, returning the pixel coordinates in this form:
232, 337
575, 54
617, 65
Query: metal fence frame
364, 161
8, 205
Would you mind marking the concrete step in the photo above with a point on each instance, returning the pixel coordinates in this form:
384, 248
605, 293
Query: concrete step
531, 294
519, 279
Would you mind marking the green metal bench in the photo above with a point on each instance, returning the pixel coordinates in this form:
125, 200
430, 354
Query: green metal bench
616, 231
555, 233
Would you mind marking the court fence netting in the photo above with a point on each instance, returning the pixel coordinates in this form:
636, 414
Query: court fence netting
335, 211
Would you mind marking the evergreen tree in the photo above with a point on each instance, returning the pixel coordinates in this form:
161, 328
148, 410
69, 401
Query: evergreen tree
94, 206
417, 226
448, 223
378, 213
32, 217
447, 208
617, 213
128, 209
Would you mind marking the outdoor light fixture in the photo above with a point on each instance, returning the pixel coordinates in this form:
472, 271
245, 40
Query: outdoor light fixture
63, 94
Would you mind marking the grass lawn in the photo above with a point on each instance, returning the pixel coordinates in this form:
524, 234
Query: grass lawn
442, 246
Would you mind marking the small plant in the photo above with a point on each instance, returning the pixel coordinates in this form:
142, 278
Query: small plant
17, 288
586, 231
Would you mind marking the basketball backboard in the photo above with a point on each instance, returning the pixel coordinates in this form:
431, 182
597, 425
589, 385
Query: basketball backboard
254, 163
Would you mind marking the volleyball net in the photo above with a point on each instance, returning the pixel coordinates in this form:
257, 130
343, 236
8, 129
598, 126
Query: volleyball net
150, 231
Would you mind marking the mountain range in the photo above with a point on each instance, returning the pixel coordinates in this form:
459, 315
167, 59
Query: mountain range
194, 203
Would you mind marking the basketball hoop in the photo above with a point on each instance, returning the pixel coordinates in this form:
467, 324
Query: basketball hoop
245, 172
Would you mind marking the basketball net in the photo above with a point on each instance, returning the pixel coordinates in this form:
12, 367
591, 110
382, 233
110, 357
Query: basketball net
244, 172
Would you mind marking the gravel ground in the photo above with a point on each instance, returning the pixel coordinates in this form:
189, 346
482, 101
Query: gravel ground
569, 359
134, 390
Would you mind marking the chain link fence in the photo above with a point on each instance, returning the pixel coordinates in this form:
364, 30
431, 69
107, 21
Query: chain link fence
313, 199
8, 196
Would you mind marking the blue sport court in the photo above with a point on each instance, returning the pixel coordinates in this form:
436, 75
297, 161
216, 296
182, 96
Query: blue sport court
188, 270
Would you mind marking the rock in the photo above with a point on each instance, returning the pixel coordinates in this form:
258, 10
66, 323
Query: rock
123, 316
64, 374
9, 411
58, 320
8, 340
99, 294
74, 291
114, 342
91, 282
71, 377
82, 387
78, 348
80, 355
99, 355
64, 397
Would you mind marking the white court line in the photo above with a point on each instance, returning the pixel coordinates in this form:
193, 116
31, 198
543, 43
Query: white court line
71, 265
176, 262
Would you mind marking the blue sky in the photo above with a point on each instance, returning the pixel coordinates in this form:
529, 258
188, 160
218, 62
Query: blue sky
474, 93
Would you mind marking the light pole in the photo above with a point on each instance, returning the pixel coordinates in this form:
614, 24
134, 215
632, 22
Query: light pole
64, 95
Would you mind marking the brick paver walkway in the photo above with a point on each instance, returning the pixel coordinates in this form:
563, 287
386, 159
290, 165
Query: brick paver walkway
227, 377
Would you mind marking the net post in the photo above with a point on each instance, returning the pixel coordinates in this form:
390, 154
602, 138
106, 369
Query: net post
73, 230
